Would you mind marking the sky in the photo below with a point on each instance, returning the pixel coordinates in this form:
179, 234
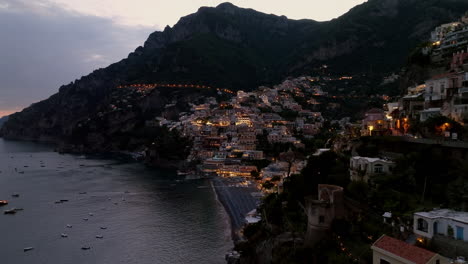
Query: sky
48, 43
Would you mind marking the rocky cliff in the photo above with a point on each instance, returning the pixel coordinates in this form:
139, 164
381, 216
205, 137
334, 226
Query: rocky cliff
240, 48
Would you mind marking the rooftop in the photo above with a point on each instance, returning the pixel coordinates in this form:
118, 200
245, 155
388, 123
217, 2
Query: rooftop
370, 159
404, 250
447, 214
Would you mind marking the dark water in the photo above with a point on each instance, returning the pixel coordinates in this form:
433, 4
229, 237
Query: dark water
151, 216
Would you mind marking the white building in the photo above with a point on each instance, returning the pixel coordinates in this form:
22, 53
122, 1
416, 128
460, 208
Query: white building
362, 168
436, 88
440, 32
441, 222
428, 113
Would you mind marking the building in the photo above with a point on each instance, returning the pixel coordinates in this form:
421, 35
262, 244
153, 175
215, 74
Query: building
388, 250
363, 168
455, 40
374, 123
443, 222
435, 91
321, 212
428, 113
440, 32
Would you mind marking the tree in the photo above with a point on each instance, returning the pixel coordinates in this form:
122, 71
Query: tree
255, 174
290, 157
457, 190
268, 185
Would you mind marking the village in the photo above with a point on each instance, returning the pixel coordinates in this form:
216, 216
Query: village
259, 139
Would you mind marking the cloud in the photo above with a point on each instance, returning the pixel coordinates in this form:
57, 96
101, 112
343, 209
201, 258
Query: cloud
44, 45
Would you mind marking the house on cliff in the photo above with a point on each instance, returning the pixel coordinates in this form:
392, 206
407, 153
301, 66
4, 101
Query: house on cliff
388, 250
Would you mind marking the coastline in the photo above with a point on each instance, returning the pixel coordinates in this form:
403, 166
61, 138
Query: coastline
226, 217
237, 202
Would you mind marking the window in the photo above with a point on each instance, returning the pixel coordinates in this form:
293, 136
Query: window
437, 261
378, 168
321, 219
383, 261
422, 225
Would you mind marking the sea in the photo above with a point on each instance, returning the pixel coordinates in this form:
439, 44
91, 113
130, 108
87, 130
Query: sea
121, 210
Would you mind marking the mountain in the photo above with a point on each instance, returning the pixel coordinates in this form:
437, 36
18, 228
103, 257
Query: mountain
236, 48
3, 120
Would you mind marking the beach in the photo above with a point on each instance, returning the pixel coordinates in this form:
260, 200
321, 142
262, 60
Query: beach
237, 200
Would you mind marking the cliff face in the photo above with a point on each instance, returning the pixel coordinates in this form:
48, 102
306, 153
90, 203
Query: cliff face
240, 48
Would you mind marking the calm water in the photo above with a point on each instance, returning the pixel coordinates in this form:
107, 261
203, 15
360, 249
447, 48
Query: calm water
151, 216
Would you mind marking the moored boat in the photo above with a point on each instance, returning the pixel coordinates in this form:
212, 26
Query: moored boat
11, 211
27, 249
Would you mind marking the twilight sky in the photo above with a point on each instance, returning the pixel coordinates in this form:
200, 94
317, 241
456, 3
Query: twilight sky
47, 43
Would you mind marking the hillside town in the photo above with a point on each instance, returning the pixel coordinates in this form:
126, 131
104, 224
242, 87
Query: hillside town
263, 137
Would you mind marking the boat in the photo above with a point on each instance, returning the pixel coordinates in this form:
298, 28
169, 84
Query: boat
3, 202
63, 200
86, 219
63, 235
91, 214
100, 236
11, 211
182, 173
82, 193
27, 249
69, 226
15, 195
103, 227
85, 247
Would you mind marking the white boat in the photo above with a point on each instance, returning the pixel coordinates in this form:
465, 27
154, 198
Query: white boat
103, 227
181, 173
63, 235
11, 211
27, 249
85, 247
100, 236
69, 226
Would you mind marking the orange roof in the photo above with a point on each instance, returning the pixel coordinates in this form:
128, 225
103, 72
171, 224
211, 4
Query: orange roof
441, 76
404, 250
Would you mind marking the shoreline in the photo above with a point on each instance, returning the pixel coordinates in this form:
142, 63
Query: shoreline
236, 201
227, 218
